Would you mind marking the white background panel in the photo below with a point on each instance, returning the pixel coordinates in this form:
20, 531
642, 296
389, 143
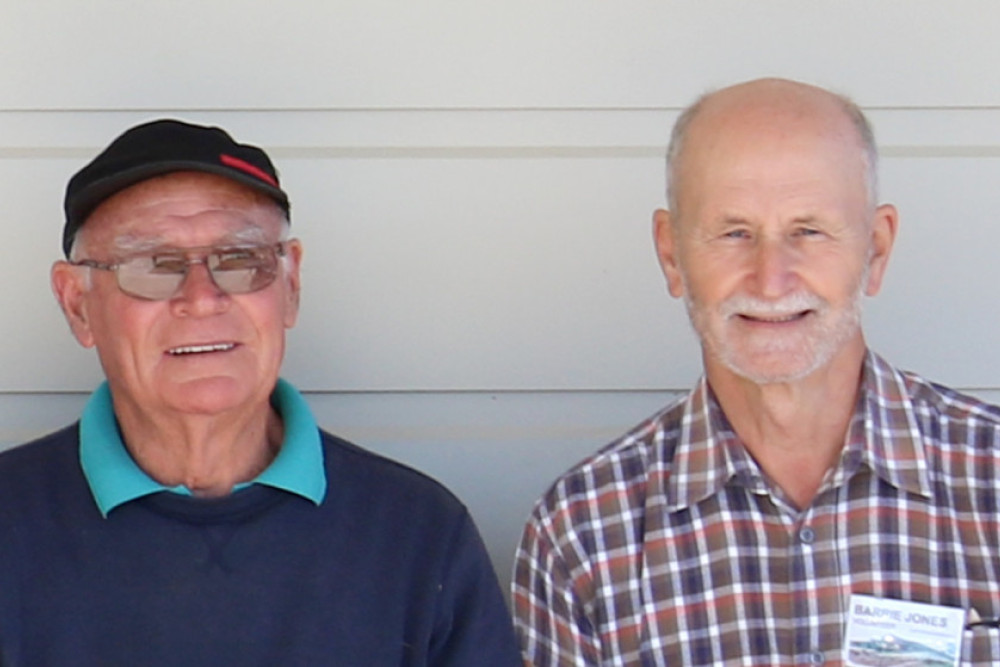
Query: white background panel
520, 53
484, 274
938, 310
38, 352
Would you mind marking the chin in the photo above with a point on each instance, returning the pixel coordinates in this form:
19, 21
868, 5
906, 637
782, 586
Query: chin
774, 375
773, 366
212, 395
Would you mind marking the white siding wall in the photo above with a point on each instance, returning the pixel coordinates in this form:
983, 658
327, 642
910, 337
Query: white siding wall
474, 185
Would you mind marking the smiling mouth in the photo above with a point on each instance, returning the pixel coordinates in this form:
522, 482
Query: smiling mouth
776, 319
200, 349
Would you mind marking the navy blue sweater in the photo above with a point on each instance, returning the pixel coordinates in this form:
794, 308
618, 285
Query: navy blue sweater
388, 570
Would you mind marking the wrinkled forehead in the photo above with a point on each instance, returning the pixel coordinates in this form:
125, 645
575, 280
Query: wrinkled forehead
183, 208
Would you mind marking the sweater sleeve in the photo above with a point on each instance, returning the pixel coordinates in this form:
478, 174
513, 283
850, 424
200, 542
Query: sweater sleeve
9, 619
11, 555
472, 625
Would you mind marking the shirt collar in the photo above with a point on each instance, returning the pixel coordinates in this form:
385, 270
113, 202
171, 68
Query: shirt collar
883, 435
115, 478
707, 454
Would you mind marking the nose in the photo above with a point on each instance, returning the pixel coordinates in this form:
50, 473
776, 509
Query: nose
198, 295
775, 268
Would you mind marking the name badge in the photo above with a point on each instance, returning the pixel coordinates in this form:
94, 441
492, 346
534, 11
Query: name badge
895, 632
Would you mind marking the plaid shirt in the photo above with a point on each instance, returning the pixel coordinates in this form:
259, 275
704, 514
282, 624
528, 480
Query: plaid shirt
670, 547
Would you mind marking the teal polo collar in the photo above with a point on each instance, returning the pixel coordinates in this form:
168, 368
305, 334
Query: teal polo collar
115, 478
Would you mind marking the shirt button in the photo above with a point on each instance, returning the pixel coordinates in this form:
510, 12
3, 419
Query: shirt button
807, 535
816, 657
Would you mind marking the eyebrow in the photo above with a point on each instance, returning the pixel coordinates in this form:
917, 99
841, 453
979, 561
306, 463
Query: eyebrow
129, 243
132, 244
724, 222
731, 221
737, 220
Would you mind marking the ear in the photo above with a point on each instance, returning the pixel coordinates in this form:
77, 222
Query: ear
293, 263
69, 284
664, 236
883, 229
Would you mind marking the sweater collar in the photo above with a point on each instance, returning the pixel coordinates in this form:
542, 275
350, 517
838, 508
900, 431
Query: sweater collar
115, 478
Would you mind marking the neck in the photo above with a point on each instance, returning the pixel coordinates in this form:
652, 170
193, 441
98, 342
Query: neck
795, 430
209, 454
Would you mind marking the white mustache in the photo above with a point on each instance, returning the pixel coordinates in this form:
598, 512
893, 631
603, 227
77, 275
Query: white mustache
760, 308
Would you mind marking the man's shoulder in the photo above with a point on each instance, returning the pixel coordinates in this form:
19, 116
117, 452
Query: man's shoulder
40, 455
953, 425
941, 403
622, 466
34, 473
362, 472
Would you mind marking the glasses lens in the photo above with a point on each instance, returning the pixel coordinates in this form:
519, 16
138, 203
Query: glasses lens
234, 271
243, 270
151, 277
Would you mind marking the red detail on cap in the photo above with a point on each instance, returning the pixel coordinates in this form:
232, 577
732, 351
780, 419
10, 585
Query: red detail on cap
243, 165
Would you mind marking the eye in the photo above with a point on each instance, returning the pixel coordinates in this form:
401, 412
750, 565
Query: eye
238, 259
736, 234
808, 231
166, 264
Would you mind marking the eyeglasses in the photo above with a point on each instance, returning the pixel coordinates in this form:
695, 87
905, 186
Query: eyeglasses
157, 275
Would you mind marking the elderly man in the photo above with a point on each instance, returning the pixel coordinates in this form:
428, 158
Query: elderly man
196, 515
805, 494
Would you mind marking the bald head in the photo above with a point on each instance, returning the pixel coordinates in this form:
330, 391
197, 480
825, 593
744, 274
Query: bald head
776, 109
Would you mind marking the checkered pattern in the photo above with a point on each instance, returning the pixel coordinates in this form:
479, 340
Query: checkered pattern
670, 547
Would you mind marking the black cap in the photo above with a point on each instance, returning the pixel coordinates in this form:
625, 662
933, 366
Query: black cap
160, 147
